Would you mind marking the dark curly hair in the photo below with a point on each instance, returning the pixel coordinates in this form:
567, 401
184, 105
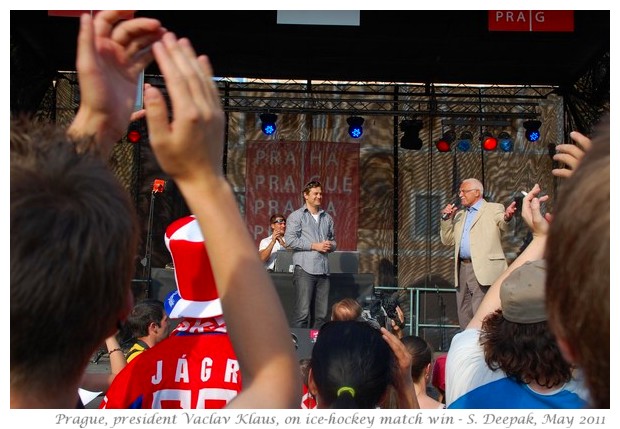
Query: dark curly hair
525, 352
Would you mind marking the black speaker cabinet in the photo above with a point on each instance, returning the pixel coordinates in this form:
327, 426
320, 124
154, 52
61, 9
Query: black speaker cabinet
303, 340
342, 285
162, 283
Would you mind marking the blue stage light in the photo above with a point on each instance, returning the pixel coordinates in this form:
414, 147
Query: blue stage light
355, 126
532, 132
505, 141
464, 143
268, 123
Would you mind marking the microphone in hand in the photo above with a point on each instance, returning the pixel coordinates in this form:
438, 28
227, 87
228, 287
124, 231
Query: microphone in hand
448, 214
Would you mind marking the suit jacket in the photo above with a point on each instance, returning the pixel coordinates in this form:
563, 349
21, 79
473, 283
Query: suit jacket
485, 239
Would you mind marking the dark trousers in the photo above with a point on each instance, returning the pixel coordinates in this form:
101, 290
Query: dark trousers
469, 294
306, 286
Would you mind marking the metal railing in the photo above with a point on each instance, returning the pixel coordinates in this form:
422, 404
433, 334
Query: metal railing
413, 323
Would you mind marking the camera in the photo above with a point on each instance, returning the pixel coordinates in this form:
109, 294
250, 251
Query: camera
380, 308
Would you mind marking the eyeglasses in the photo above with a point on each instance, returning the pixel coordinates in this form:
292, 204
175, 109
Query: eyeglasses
279, 221
464, 191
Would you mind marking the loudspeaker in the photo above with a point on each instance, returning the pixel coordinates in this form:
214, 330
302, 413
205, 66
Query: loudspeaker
343, 262
356, 286
303, 340
162, 283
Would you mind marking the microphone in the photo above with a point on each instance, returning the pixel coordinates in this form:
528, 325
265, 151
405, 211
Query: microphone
446, 216
159, 185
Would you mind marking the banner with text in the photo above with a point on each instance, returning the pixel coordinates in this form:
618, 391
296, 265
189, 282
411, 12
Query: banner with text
532, 20
277, 171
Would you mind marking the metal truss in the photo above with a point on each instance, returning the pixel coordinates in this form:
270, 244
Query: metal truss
409, 100
380, 98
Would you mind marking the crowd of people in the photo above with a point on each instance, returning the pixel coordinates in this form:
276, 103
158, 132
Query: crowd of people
74, 235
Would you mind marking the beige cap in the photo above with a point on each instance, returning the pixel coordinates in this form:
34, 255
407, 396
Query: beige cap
522, 294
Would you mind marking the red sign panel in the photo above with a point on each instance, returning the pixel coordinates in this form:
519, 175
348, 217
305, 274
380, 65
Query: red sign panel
276, 173
127, 14
532, 20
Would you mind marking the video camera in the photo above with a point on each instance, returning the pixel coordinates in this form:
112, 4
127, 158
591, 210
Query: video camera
380, 308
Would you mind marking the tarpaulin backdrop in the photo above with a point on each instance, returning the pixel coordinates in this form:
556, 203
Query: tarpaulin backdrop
277, 171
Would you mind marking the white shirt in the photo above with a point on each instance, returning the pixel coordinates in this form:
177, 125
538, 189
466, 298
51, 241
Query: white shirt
264, 243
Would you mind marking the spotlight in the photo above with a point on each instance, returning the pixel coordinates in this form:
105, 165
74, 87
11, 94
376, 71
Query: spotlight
505, 141
268, 123
488, 141
134, 132
355, 126
464, 142
411, 130
531, 130
445, 142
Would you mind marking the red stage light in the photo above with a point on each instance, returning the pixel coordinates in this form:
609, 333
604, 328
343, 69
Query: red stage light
134, 136
489, 142
443, 146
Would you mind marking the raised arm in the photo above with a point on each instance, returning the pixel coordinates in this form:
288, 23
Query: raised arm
100, 382
111, 54
189, 149
401, 378
265, 252
539, 225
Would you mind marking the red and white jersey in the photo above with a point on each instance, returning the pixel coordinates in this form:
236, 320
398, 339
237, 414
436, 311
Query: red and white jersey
195, 367
307, 400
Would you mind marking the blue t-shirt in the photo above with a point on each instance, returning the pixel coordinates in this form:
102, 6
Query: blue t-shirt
470, 383
508, 393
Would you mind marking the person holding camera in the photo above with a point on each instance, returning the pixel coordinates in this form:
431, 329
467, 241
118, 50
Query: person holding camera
384, 311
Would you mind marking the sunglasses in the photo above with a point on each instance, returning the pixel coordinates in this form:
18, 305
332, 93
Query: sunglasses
279, 221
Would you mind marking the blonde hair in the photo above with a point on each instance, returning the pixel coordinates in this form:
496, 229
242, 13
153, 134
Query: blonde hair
346, 309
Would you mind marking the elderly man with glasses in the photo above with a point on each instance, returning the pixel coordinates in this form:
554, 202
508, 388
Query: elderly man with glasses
268, 246
475, 232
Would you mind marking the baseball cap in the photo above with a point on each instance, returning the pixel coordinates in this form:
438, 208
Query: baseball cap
522, 293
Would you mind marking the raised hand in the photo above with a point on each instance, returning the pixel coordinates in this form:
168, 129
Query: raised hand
110, 57
510, 211
397, 324
448, 211
192, 144
571, 154
401, 378
530, 211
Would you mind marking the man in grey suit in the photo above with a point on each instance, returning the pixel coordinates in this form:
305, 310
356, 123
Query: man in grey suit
475, 232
